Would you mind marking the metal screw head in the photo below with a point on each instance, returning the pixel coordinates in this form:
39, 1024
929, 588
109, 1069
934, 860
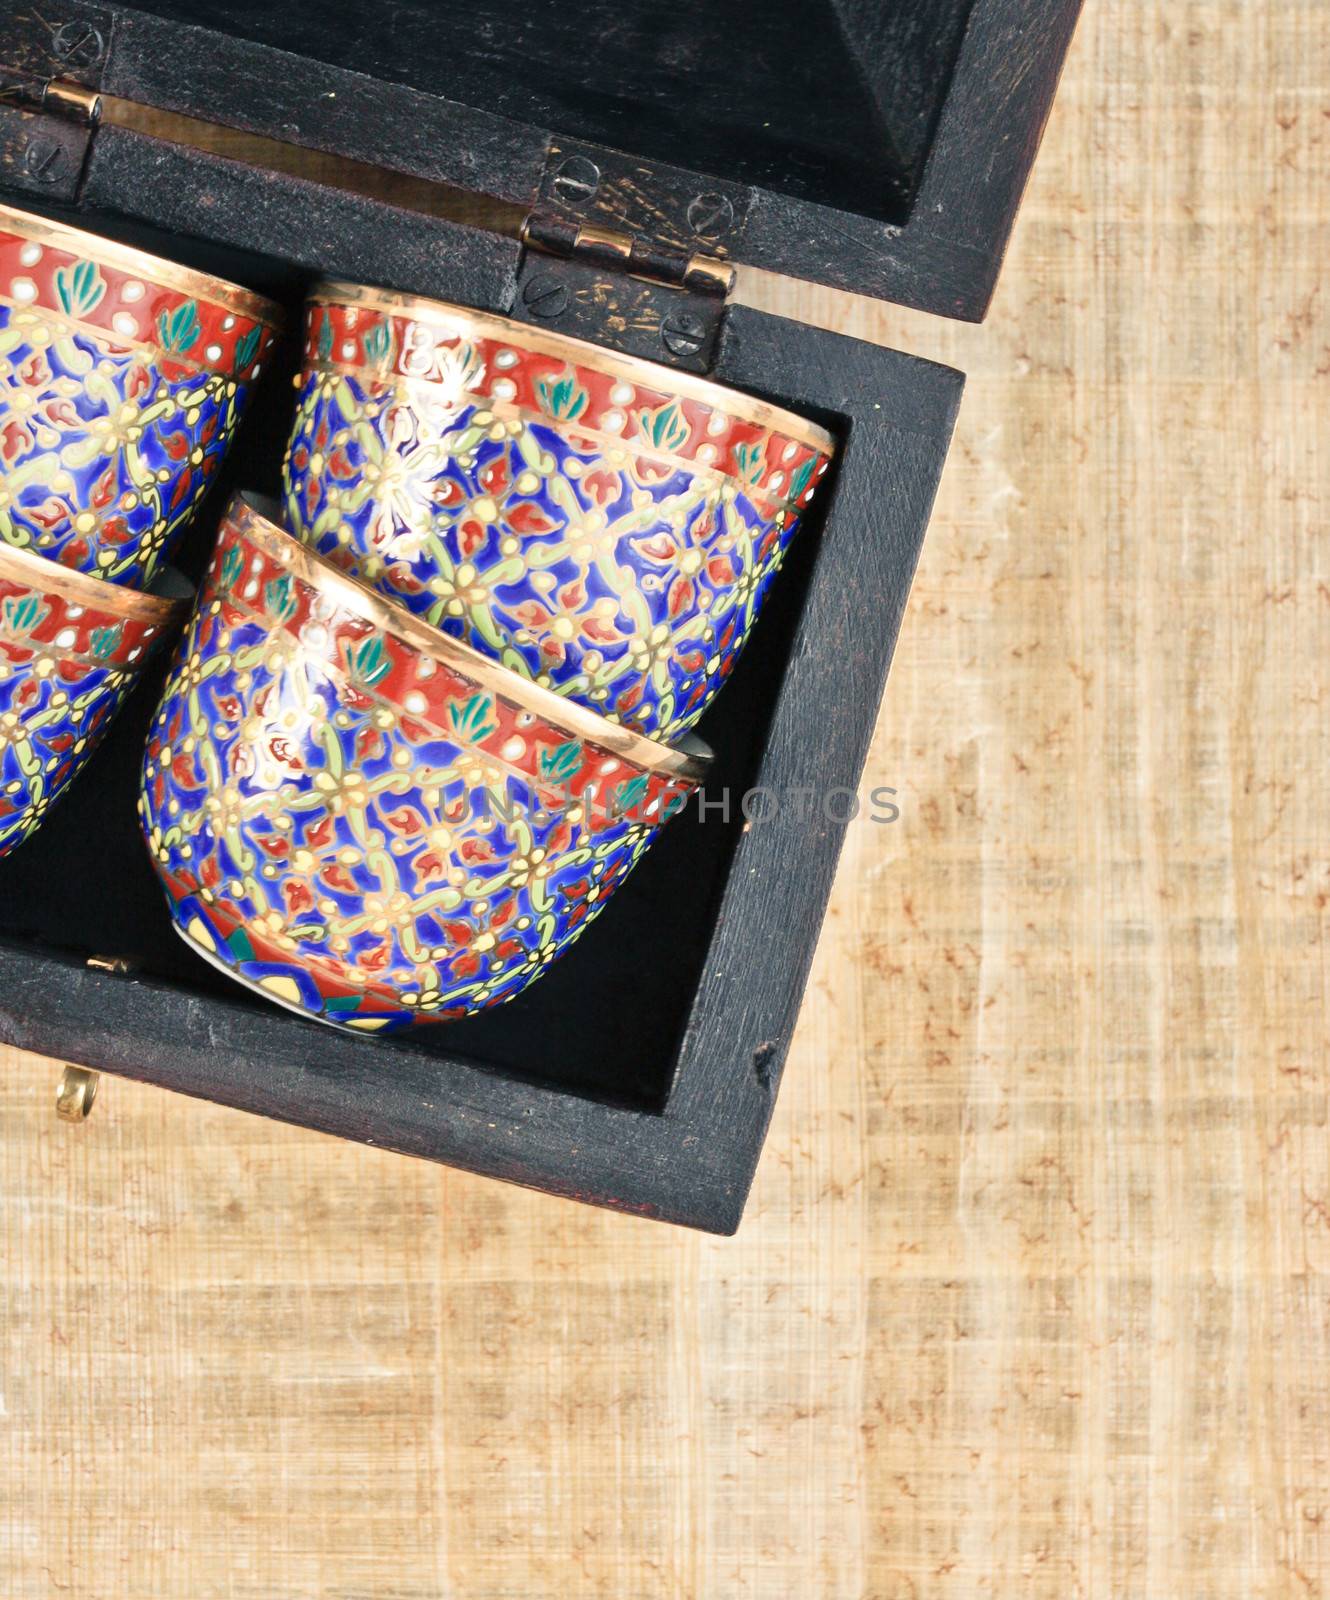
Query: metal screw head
710, 215
682, 333
78, 43
545, 297
44, 160
577, 180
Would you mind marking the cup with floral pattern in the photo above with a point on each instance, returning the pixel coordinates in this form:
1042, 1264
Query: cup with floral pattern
606, 526
122, 380
71, 650
360, 817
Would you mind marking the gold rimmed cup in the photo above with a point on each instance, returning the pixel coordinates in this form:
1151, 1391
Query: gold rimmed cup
605, 526
123, 377
71, 649
366, 820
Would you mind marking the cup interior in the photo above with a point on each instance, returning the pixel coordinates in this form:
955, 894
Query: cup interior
171, 584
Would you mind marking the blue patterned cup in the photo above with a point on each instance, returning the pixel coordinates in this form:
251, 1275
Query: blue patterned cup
607, 527
71, 650
122, 380
359, 817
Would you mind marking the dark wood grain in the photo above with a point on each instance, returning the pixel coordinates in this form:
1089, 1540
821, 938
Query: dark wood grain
736, 86
41, 156
947, 256
878, 149
288, 230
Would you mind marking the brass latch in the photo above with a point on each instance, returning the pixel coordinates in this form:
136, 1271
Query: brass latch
77, 1088
75, 1093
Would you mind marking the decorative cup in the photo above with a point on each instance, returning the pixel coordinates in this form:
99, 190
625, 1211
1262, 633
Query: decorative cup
365, 820
603, 525
71, 649
122, 379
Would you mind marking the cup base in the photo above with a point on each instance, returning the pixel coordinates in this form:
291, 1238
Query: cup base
268, 996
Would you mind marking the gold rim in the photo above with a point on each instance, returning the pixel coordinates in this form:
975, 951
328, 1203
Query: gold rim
169, 274
732, 402
109, 336
574, 719
39, 572
701, 471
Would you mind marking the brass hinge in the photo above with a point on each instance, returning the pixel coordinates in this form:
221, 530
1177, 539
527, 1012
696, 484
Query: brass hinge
630, 255
72, 100
59, 97
625, 252
46, 128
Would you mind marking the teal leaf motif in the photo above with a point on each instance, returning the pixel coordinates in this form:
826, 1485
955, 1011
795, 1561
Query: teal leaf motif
751, 462
280, 596
369, 663
103, 641
566, 399
79, 288
23, 613
233, 564
378, 342
179, 328
800, 476
473, 719
248, 347
629, 794
325, 337
665, 427
561, 762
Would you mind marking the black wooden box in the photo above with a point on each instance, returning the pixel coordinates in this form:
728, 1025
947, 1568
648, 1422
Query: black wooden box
877, 145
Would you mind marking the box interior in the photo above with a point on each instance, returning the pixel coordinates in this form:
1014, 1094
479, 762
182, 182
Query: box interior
830, 101
605, 1021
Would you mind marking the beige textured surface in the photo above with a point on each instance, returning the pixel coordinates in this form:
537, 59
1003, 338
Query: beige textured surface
1033, 1296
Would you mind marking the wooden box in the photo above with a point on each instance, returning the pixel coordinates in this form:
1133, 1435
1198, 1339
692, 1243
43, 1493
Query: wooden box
594, 168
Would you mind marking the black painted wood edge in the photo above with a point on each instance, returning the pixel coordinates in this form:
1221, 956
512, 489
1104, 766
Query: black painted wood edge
200, 72
947, 258
316, 229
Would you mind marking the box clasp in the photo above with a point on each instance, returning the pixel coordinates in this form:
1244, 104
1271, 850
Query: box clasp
75, 1093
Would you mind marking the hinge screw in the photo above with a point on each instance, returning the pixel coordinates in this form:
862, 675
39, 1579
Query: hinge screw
577, 180
79, 43
545, 297
682, 333
44, 160
710, 215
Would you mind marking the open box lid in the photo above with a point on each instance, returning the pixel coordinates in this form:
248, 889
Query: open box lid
879, 146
